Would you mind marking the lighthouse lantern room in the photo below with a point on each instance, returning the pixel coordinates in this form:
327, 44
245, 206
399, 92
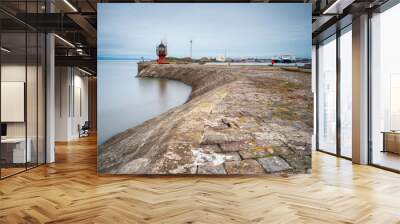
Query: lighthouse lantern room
161, 51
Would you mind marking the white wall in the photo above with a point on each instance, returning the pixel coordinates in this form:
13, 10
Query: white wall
71, 102
62, 82
16, 72
80, 112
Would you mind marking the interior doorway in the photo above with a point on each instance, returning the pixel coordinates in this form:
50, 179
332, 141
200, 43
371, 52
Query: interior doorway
75, 104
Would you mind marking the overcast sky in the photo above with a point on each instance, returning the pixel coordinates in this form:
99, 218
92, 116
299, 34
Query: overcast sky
244, 30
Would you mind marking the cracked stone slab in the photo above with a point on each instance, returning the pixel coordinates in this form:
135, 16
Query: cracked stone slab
235, 146
224, 136
231, 156
136, 165
257, 152
185, 169
274, 164
271, 138
249, 166
210, 168
297, 161
247, 123
213, 148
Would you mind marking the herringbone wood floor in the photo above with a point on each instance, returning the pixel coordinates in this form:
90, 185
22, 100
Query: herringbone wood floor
70, 191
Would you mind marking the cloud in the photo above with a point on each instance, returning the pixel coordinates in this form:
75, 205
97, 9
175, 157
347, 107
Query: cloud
242, 29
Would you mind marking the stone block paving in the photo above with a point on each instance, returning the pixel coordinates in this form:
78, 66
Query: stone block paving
237, 121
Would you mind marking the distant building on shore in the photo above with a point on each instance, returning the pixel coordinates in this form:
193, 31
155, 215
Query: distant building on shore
284, 59
220, 58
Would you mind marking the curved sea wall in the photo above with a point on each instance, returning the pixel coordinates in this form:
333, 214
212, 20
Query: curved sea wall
237, 120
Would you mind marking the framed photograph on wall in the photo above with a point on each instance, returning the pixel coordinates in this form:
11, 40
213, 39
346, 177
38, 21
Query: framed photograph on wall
207, 89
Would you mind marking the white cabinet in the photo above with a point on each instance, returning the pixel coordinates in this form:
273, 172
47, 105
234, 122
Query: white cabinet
19, 155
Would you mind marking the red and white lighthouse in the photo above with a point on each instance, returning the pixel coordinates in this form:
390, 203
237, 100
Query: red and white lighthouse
161, 51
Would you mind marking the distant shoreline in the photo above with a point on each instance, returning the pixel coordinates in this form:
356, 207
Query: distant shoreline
300, 64
104, 58
124, 59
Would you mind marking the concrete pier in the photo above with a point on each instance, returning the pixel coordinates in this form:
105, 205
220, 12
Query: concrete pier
237, 120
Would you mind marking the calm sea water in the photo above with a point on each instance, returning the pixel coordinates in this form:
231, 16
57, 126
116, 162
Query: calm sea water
125, 101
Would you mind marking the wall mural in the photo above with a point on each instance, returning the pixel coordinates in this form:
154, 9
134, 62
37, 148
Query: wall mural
220, 89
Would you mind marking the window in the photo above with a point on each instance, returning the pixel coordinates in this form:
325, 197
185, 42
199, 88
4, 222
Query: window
330, 133
346, 92
385, 89
327, 95
22, 77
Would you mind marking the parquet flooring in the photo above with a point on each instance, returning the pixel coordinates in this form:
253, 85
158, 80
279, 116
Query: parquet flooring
70, 191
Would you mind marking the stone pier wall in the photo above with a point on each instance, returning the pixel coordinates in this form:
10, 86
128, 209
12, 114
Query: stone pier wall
143, 65
237, 120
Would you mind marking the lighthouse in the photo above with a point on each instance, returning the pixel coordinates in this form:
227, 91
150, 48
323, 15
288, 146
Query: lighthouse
161, 51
